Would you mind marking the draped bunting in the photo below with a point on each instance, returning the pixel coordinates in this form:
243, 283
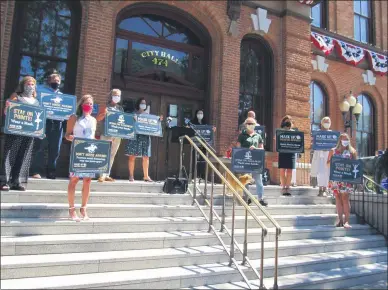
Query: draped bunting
308, 2
323, 42
350, 53
379, 62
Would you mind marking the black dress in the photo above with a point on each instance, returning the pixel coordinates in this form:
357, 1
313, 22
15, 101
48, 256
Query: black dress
287, 160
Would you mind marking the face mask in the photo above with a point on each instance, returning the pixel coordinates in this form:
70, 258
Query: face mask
116, 99
286, 124
29, 90
345, 143
251, 127
326, 125
143, 106
54, 86
87, 109
200, 116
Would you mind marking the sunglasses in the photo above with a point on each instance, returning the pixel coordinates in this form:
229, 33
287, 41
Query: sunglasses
251, 124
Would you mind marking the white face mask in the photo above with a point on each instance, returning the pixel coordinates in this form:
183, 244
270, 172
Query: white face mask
345, 143
143, 106
29, 90
251, 127
200, 116
326, 125
116, 99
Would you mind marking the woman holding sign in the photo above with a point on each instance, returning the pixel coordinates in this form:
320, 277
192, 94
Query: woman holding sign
114, 99
250, 139
141, 146
81, 125
341, 190
17, 148
318, 164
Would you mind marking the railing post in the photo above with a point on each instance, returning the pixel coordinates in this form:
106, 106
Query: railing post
206, 175
232, 235
195, 176
262, 260
223, 205
181, 157
275, 279
211, 203
191, 163
245, 251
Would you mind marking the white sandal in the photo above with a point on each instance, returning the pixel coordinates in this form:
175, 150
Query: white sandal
73, 214
85, 214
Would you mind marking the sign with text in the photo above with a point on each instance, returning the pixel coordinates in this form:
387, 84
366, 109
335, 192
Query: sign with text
147, 124
26, 120
288, 141
261, 131
245, 160
90, 156
119, 124
206, 132
325, 140
346, 170
58, 106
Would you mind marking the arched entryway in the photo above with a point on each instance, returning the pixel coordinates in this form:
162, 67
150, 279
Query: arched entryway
162, 54
256, 83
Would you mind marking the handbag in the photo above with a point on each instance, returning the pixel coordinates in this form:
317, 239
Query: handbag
175, 185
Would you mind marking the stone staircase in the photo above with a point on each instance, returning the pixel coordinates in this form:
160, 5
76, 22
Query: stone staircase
140, 238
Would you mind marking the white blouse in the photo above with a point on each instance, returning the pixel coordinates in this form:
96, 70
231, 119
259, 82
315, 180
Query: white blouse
85, 127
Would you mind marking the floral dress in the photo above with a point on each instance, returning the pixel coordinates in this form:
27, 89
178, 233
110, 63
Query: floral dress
336, 187
141, 146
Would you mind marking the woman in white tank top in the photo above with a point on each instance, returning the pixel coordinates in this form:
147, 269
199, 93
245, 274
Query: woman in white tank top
81, 125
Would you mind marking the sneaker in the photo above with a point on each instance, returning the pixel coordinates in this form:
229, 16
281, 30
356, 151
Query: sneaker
263, 203
51, 176
37, 176
18, 187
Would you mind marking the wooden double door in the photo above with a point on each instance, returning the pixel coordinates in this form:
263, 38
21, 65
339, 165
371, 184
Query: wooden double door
164, 160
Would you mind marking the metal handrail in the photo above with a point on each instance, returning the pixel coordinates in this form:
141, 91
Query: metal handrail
213, 213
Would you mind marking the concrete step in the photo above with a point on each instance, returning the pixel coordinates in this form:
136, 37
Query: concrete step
335, 278
60, 210
77, 243
381, 284
39, 226
107, 197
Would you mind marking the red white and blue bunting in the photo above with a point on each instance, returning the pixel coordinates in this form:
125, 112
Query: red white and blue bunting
307, 2
379, 62
350, 53
323, 42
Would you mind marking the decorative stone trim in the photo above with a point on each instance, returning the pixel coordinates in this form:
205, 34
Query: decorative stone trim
260, 21
369, 78
319, 64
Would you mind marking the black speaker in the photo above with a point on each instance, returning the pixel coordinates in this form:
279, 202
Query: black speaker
174, 185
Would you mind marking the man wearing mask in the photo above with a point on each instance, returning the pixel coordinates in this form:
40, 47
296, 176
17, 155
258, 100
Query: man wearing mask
54, 134
250, 114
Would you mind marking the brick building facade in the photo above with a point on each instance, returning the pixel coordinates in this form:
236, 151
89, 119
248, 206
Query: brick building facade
239, 54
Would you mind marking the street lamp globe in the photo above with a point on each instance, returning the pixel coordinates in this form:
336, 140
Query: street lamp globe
344, 106
357, 109
352, 100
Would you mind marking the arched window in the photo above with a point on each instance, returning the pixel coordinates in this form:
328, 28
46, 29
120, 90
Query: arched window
256, 83
365, 137
317, 105
45, 36
157, 48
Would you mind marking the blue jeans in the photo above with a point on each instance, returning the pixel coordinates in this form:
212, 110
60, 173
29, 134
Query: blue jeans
259, 185
54, 134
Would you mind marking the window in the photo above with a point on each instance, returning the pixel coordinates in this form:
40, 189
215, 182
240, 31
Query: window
317, 105
319, 14
363, 21
159, 49
256, 84
45, 39
365, 138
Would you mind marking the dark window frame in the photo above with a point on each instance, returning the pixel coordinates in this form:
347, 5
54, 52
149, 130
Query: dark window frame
16, 51
371, 39
324, 14
373, 128
325, 102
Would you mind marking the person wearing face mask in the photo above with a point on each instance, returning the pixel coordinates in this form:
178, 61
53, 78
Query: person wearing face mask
54, 134
251, 114
81, 125
200, 120
114, 99
318, 164
141, 146
341, 190
286, 161
18, 149
250, 139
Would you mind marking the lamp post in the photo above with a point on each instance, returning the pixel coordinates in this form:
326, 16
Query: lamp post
349, 107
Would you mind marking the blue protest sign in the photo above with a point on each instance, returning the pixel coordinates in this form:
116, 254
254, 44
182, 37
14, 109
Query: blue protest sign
289, 141
346, 170
95, 109
261, 131
119, 124
147, 124
325, 140
26, 120
206, 132
245, 160
90, 156
58, 106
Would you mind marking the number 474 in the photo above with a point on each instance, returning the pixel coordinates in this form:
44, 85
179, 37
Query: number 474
160, 61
